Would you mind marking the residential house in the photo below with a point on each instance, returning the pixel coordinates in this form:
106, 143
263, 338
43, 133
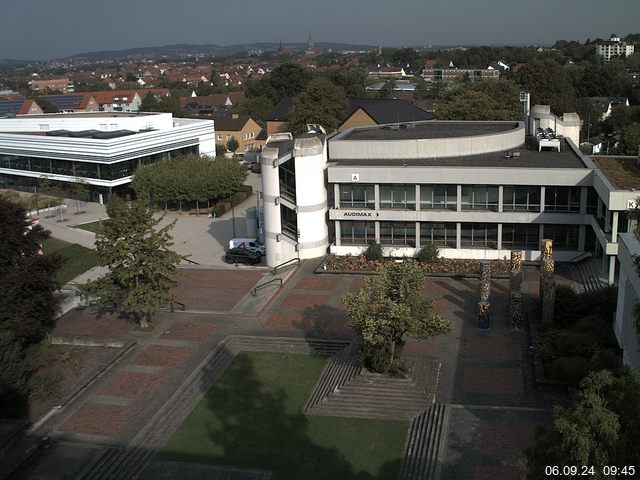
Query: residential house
364, 112
212, 104
607, 104
73, 102
241, 127
63, 84
614, 48
19, 106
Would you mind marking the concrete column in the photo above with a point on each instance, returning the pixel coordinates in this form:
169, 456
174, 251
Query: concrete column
582, 235
500, 234
458, 200
612, 269
418, 196
336, 195
614, 227
376, 192
541, 232
500, 205
417, 234
377, 230
338, 233
458, 233
542, 201
583, 200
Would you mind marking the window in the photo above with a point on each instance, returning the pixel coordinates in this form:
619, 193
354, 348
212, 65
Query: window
565, 237
442, 197
357, 196
398, 197
220, 137
524, 199
289, 222
479, 197
401, 234
562, 199
438, 234
518, 236
357, 233
228, 137
479, 235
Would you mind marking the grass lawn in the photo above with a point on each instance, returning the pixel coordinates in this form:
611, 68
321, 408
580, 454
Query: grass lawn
77, 259
93, 226
252, 418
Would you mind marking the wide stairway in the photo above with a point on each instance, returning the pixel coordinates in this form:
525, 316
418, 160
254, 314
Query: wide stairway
424, 445
586, 274
346, 390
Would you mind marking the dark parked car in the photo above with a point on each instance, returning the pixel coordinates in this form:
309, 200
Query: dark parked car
242, 255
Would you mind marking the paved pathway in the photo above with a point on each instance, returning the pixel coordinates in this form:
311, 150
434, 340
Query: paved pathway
481, 372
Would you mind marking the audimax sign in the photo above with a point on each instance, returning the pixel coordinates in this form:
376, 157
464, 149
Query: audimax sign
360, 214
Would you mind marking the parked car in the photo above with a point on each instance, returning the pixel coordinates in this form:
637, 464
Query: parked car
251, 244
242, 255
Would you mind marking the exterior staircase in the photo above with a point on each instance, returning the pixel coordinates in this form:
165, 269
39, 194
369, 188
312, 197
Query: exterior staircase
586, 275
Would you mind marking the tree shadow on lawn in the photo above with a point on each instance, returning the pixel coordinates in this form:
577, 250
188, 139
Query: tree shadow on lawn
249, 425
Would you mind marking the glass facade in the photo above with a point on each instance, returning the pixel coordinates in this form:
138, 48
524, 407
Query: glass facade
479, 235
438, 234
287, 174
519, 236
402, 197
401, 234
357, 233
523, 199
562, 199
438, 197
93, 170
479, 197
565, 237
357, 196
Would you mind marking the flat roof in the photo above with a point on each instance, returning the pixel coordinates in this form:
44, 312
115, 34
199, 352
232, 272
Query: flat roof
622, 172
528, 158
428, 129
86, 115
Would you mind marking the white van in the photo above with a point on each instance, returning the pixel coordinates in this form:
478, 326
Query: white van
251, 244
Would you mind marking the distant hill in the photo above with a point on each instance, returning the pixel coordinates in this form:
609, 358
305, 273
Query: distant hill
207, 50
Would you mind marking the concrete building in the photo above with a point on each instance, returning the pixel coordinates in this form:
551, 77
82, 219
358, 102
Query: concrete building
450, 74
614, 48
624, 325
472, 189
63, 85
101, 149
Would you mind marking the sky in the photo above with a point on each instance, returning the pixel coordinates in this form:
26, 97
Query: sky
39, 29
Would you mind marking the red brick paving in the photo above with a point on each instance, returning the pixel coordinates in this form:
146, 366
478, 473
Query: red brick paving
295, 300
214, 289
442, 306
493, 380
300, 321
495, 473
162, 356
357, 284
501, 349
284, 322
319, 284
421, 348
100, 419
86, 322
503, 438
189, 331
134, 385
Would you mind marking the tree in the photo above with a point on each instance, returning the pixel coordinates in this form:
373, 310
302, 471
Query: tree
257, 108
352, 79
13, 376
142, 267
322, 102
149, 103
390, 305
480, 100
232, 144
387, 89
600, 428
631, 139
548, 83
27, 278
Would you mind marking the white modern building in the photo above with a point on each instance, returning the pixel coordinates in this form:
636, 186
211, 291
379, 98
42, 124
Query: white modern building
472, 189
103, 149
614, 48
628, 298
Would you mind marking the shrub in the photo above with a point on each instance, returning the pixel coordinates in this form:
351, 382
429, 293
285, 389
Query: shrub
238, 198
570, 369
375, 357
428, 254
222, 208
248, 189
256, 168
374, 252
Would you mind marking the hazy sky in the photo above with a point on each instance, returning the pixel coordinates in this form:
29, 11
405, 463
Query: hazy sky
38, 29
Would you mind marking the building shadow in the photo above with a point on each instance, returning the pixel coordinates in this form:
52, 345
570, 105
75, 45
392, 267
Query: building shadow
251, 425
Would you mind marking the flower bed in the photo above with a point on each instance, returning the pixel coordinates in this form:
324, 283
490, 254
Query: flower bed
359, 263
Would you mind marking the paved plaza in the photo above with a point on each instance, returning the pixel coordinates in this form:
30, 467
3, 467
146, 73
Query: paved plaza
484, 376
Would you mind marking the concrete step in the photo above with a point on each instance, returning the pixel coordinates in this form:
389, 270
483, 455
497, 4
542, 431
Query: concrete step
421, 454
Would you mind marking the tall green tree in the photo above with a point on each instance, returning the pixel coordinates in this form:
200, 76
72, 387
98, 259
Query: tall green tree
142, 266
391, 305
27, 278
352, 79
232, 144
322, 102
480, 100
600, 428
149, 103
631, 139
13, 377
549, 84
